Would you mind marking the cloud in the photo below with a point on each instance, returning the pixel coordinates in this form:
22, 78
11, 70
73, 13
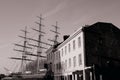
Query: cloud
56, 9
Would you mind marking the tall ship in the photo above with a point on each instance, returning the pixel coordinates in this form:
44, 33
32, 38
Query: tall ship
33, 69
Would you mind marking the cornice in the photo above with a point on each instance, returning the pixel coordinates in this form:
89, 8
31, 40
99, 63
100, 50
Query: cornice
71, 37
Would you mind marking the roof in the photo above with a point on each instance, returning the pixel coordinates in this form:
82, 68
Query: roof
102, 28
52, 47
102, 25
97, 24
71, 37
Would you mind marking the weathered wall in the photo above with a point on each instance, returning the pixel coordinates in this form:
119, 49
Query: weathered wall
102, 48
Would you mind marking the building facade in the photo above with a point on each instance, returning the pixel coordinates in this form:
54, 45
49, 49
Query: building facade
87, 54
71, 57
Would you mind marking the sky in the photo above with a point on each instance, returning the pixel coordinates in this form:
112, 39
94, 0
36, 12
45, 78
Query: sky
70, 15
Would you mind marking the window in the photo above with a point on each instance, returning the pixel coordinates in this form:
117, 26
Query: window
73, 44
74, 61
65, 64
47, 57
58, 54
79, 41
53, 56
55, 67
62, 65
65, 49
59, 65
80, 59
69, 62
100, 40
50, 55
69, 47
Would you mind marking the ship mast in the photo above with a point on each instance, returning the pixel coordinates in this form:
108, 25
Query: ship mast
24, 51
24, 48
39, 50
39, 41
55, 41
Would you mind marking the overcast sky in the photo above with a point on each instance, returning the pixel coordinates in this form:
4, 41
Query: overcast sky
70, 14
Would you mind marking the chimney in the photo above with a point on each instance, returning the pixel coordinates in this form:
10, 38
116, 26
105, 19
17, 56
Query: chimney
65, 37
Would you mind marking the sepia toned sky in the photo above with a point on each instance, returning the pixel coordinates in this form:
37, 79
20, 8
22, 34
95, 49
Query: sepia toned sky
70, 14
